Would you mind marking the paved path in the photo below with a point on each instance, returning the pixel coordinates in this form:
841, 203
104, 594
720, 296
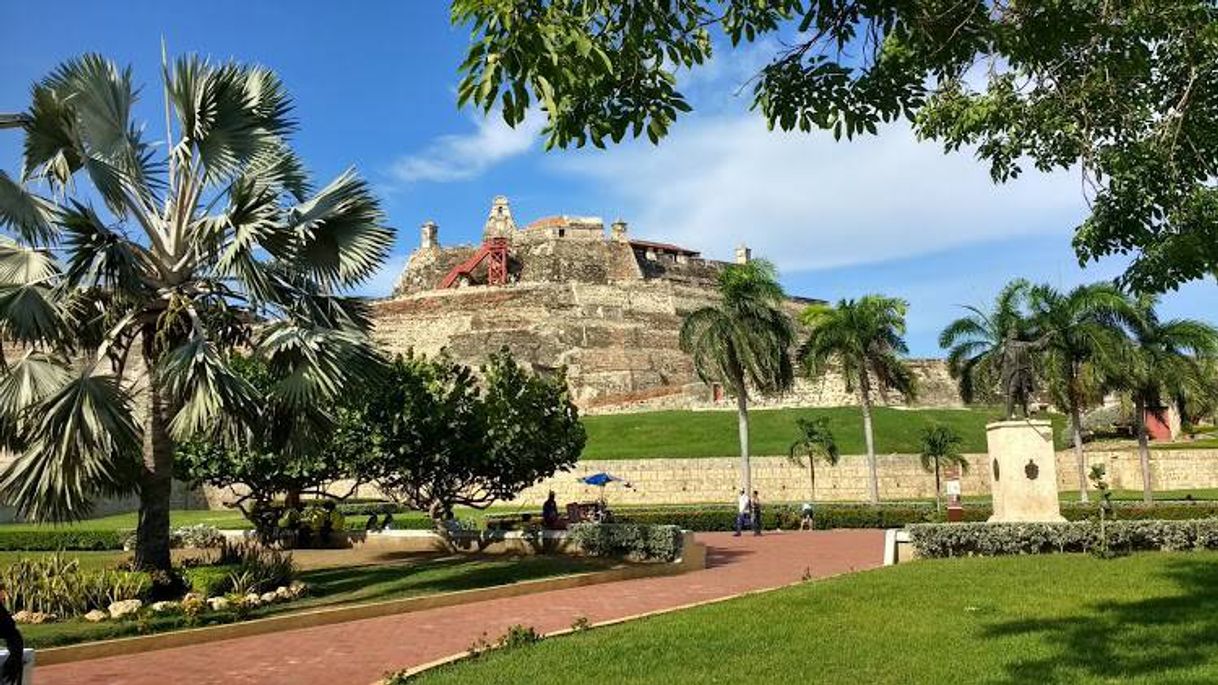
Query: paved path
360, 652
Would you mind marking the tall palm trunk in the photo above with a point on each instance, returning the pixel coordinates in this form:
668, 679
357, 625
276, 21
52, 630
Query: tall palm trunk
873, 478
812, 477
155, 480
938, 489
742, 418
1139, 411
1076, 435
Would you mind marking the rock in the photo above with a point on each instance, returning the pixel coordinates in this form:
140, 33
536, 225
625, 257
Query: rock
96, 616
125, 607
22, 616
217, 603
252, 600
282, 592
162, 607
268, 597
298, 588
33, 617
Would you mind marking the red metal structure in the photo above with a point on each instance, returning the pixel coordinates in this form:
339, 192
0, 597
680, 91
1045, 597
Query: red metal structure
495, 251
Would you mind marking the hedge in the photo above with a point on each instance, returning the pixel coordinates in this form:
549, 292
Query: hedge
51, 539
892, 514
637, 542
993, 539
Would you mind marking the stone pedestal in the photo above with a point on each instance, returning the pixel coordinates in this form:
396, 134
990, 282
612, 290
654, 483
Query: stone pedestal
1023, 471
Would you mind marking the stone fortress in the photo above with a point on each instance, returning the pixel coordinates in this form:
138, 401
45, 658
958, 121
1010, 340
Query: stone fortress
561, 292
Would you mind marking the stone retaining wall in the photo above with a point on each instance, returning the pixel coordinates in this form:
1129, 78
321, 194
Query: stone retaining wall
679, 481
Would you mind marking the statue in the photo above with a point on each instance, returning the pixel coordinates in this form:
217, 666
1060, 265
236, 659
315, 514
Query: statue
1019, 371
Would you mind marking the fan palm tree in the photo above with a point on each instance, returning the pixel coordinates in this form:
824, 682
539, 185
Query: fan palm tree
941, 450
815, 442
975, 341
1164, 360
210, 241
1081, 331
864, 338
743, 342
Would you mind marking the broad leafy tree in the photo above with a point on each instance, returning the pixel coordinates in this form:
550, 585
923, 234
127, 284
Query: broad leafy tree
940, 449
975, 342
864, 338
133, 268
743, 342
1163, 362
446, 439
287, 453
815, 443
1080, 332
1124, 91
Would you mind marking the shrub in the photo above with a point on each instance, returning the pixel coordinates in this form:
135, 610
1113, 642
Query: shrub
200, 536
57, 585
992, 539
637, 542
53, 539
209, 581
258, 568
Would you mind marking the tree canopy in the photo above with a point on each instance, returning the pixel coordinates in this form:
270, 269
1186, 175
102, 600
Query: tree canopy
1125, 91
444, 440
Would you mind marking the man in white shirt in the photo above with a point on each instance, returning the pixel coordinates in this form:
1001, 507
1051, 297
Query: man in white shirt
743, 503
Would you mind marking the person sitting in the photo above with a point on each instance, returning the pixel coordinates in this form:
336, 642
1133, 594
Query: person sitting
807, 517
371, 524
387, 522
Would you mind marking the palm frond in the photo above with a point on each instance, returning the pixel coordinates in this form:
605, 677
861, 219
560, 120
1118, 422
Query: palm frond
212, 399
82, 440
341, 236
27, 214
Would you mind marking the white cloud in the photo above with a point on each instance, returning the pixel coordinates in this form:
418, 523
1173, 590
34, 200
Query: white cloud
457, 157
808, 202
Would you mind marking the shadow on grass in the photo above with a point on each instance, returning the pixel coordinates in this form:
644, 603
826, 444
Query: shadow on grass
1163, 637
450, 574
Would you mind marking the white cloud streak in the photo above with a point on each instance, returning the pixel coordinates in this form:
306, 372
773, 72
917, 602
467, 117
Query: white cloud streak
808, 202
459, 157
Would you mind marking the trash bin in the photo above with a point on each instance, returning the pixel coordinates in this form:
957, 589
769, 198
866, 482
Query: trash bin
27, 672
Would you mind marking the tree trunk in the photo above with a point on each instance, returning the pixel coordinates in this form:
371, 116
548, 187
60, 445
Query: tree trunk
938, 488
812, 477
1076, 435
873, 478
155, 481
1139, 411
742, 416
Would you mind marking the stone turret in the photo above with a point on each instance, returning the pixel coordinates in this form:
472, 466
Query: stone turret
743, 254
499, 223
618, 231
429, 236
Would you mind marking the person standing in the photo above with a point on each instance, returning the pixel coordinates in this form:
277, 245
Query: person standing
742, 511
13, 669
549, 513
755, 513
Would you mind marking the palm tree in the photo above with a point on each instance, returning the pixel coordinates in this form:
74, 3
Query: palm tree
975, 341
940, 450
211, 241
864, 338
743, 342
816, 443
1081, 330
1163, 360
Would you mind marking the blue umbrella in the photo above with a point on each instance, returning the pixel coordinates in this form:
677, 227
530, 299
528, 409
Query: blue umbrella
599, 479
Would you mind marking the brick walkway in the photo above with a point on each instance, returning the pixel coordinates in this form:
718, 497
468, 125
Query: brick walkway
360, 652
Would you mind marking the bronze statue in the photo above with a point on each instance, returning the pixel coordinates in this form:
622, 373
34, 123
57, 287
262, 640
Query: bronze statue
1019, 371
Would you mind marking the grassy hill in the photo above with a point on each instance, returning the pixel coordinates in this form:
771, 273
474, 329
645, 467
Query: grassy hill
771, 431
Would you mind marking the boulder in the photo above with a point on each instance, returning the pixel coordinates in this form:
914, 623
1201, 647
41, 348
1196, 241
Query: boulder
162, 607
217, 603
125, 607
33, 617
282, 592
22, 616
96, 616
298, 588
252, 600
269, 597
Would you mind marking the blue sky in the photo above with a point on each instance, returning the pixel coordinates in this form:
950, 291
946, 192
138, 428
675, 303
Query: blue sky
374, 88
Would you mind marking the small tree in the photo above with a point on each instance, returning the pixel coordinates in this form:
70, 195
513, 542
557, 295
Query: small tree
815, 442
289, 453
941, 449
444, 441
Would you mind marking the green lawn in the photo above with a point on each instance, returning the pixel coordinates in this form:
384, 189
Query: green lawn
1148, 618
342, 586
177, 518
771, 431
